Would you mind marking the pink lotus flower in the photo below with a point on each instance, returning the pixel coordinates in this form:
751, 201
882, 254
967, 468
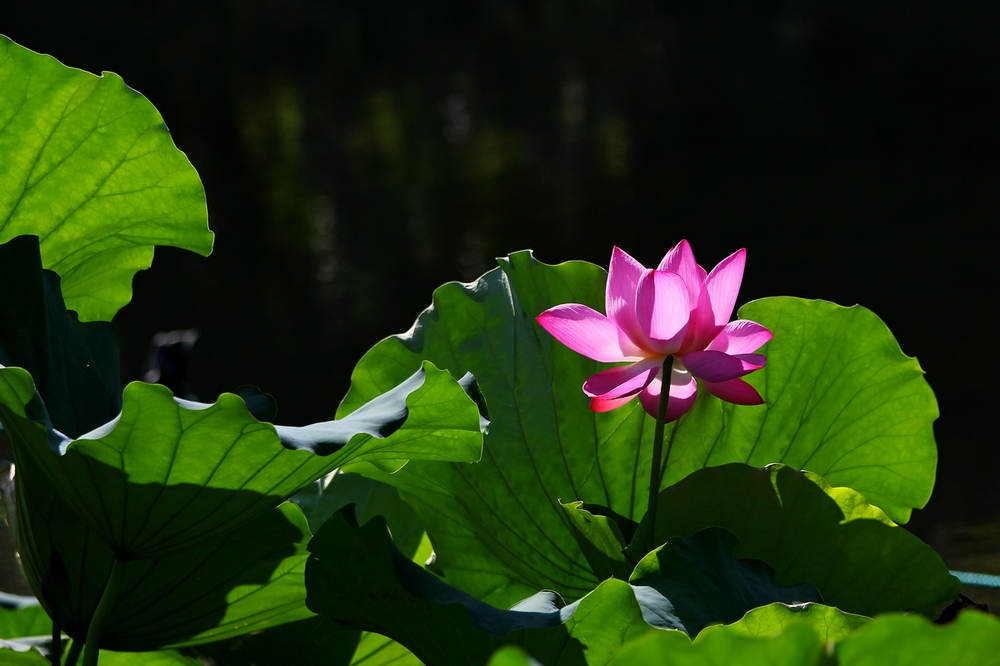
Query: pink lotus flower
676, 310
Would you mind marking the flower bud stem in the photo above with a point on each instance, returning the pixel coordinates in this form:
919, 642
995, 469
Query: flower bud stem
656, 464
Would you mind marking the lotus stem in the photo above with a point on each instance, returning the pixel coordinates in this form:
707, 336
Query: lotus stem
92, 648
56, 652
656, 464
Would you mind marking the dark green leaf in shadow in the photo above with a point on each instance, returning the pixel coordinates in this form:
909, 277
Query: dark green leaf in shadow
498, 527
315, 641
328, 495
254, 577
830, 624
601, 540
356, 576
168, 473
692, 582
808, 531
74, 364
261, 405
90, 168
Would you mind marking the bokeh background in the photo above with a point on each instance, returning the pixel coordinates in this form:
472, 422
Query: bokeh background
356, 155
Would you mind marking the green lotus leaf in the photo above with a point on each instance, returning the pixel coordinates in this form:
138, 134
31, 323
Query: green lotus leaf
377, 650
842, 401
971, 640
601, 540
499, 529
158, 658
356, 576
693, 582
318, 640
90, 168
808, 531
163, 658
168, 473
22, 616
830, 624
511, 655
243, 581
74, 364
328, 495
798, 645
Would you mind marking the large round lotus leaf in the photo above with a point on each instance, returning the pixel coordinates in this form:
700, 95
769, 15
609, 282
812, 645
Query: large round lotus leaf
166, 473
90, 168
842, 398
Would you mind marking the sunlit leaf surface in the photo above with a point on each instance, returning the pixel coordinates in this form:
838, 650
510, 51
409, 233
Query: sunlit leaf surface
499, 528
973, 639
830, 624
168, 473
90, 168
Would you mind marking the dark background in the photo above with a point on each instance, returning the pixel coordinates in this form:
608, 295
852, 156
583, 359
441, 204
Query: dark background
357, 155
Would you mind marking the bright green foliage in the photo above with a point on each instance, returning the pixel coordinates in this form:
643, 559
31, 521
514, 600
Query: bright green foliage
183, 502
798, 645
499, 528
808, 532
21, 617
511, 656
377, 650
90, 168
842, 401
109, 658
971, 640
830, 624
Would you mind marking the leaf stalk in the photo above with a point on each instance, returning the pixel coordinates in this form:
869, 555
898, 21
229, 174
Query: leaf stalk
92, 648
